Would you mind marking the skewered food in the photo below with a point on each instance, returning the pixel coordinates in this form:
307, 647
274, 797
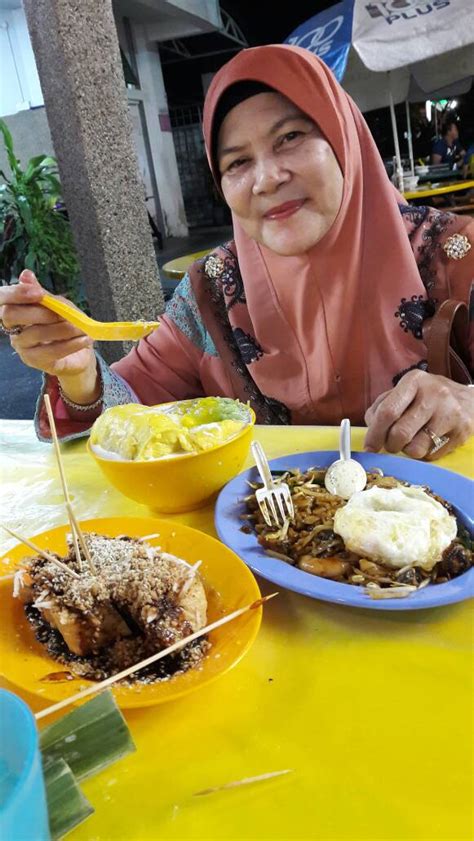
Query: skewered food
138, 600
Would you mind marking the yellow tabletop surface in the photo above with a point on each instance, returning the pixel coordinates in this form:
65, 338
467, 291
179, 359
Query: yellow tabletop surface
438, 189
177, 268
372, 711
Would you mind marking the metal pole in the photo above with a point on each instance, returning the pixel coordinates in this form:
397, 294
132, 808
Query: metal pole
409, 137
399, 173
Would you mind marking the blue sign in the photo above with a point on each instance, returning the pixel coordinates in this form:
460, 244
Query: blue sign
328, 35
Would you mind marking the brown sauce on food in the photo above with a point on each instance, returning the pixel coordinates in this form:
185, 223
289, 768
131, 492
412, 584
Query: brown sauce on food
58, 677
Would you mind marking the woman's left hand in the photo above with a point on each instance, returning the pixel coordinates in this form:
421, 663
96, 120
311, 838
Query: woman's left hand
398, 418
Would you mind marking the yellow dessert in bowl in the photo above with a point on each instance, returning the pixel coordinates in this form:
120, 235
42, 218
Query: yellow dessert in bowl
173, 457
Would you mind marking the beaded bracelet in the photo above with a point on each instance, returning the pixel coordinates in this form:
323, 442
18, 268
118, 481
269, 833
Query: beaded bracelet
80, 407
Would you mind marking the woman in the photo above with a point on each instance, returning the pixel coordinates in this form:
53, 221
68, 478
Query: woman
314, 311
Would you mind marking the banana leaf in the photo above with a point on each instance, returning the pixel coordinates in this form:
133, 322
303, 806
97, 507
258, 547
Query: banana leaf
90, 737
67, 806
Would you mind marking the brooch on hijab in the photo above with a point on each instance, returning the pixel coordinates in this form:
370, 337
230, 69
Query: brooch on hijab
214, 266
457, 246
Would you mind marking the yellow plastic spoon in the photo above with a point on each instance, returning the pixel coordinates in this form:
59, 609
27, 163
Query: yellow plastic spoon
101, 331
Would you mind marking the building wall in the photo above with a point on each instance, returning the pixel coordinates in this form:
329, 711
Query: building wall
20, 93
202, 203
157, 133
31, 136
19, 83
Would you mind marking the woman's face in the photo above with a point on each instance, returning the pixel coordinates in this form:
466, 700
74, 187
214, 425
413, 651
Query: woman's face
279, 175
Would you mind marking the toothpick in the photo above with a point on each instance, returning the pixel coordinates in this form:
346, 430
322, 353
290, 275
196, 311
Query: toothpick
244, 782
81, 537
75, 528
40, 552
59, 460
91, 690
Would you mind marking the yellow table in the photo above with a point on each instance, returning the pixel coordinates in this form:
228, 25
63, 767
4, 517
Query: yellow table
176, 269
373, 711
438, 190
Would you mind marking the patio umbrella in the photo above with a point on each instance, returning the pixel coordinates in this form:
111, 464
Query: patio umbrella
387, 51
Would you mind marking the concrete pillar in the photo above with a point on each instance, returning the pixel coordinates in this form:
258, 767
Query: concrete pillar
78, 60
155, 106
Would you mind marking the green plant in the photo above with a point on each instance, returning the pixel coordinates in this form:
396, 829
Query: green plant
34, 229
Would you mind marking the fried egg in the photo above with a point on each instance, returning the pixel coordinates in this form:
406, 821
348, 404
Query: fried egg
398, 527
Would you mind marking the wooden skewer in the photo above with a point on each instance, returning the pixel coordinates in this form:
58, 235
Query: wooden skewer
244, 782
41, 552
59, 460
75, 528
91, 690
81, 537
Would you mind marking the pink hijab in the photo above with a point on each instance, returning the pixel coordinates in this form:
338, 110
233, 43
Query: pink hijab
325, 325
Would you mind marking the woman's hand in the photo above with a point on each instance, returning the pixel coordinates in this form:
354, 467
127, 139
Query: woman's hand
48, 342
397, 419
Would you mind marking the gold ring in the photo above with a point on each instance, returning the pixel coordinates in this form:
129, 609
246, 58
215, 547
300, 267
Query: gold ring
437, 440
10, 331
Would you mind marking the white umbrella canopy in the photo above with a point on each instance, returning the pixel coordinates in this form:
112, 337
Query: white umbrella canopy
416, 94
438, 77
418, 81
389, 34
385, 51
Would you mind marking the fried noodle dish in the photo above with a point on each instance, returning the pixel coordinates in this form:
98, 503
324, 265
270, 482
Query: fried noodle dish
392, 538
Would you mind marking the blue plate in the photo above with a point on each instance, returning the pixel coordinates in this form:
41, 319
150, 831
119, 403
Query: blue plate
456, 489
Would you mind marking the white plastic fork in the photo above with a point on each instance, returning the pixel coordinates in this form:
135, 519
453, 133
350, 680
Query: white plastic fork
274, 500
